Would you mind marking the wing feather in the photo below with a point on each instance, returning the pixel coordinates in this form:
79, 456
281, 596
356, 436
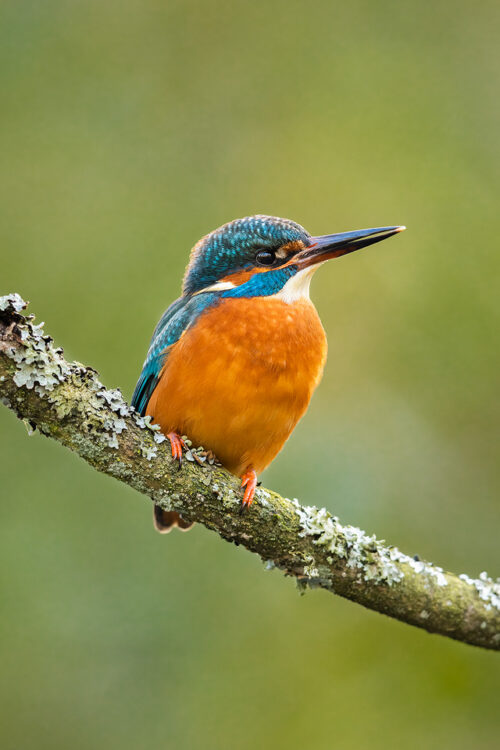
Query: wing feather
175, 320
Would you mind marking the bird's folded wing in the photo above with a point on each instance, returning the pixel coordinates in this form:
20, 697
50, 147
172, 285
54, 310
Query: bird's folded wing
178, 318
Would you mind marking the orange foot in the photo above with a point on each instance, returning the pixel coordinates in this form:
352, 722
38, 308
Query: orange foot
249, 482
176, 444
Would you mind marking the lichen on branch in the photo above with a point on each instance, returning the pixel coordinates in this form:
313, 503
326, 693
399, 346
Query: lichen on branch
66, 401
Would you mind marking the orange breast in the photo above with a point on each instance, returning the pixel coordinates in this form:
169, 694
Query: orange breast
239, 380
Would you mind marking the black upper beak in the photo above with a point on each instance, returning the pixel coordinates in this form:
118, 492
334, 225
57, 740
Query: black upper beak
334, 245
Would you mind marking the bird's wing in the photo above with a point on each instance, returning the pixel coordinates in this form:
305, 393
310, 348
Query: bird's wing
175, 320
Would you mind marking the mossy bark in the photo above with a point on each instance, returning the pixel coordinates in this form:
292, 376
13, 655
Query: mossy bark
67, 402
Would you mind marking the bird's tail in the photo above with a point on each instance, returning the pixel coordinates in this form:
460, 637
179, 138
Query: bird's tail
165, 520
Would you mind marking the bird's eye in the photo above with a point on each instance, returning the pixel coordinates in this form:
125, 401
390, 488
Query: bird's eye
265, 258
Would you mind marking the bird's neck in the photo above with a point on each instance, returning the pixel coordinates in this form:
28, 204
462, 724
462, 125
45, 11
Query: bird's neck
296, 288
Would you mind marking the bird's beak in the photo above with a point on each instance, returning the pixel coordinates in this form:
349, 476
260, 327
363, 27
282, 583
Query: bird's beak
334, 245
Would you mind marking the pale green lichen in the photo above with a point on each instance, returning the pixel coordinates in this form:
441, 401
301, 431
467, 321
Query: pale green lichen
41, 366
149, 452
487, 588
12, 302
114, 399
349, 543
419, 566
371, 557
263, 496
310, 569
228, 497
374, 560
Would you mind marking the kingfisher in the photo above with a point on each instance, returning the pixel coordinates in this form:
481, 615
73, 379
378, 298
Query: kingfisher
234, 361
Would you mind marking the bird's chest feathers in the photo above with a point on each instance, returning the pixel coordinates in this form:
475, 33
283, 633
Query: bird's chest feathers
240, 378
268, 337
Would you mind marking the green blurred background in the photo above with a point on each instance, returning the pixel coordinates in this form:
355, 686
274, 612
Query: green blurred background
130, 129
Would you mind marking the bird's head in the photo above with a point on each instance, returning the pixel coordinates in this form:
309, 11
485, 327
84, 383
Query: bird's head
259, 255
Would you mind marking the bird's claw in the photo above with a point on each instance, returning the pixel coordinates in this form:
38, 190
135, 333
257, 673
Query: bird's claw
177, 445
249, 482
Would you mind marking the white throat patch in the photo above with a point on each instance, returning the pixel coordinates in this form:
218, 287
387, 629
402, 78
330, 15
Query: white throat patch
297, 287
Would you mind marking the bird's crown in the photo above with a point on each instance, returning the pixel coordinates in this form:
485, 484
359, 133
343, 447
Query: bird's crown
252, 242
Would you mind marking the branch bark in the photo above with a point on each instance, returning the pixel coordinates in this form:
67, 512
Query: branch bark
67, 402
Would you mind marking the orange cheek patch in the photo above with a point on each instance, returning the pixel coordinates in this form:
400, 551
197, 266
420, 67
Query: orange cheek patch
240, 277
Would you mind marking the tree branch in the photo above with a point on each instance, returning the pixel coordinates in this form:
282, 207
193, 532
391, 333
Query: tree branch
67, 402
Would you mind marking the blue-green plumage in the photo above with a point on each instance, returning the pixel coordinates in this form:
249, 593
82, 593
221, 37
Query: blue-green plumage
178, 317
233, 247
262, 284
